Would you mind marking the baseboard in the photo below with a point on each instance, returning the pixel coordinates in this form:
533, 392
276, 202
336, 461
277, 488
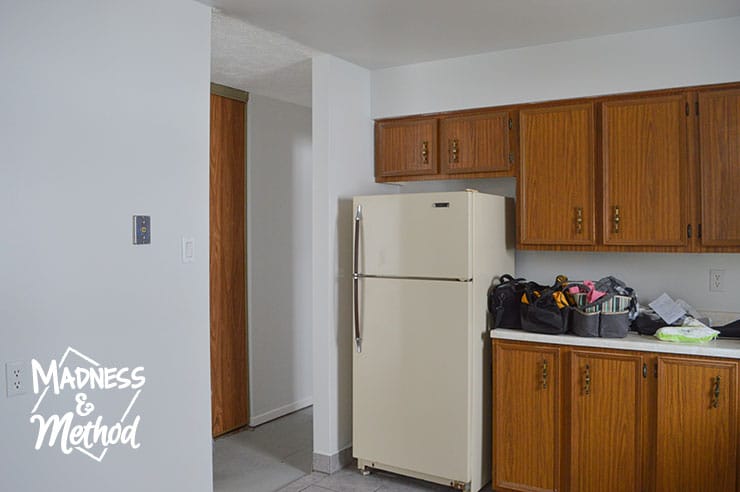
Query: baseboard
262, 418
332, 463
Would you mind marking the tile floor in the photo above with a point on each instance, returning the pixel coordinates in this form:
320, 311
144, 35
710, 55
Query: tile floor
265, 458
277, 456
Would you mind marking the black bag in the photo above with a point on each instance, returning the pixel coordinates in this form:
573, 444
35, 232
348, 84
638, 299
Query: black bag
504, 299
545, 310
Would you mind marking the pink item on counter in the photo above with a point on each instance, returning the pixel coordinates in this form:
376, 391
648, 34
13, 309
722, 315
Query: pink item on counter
593, 294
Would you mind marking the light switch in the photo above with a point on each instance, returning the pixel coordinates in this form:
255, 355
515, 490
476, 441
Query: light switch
188, 250
142, 229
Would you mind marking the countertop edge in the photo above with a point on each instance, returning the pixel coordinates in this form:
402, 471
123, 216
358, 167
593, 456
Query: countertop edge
726, 348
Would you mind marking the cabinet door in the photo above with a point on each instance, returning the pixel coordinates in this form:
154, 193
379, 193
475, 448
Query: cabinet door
697, 425
719, 144
406, 147
476, 143
556, 175
605, 422
645, 166
526, 436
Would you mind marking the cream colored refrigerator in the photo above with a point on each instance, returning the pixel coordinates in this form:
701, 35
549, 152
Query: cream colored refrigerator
423, 264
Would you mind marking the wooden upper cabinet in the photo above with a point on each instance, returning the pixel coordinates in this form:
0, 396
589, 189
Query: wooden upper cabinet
605, 422
719, 155
526, 399
406, 147
556, 175
645, 171
475, 143
697, 434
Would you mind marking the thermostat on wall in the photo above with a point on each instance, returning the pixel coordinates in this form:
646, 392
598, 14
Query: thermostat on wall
142, 229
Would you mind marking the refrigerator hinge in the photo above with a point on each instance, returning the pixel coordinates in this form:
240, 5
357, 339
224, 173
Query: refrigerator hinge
458, 485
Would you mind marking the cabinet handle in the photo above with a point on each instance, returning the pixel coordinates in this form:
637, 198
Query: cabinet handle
587, 381
579, 220
715, 400
544, 374
616, 219
453, 150
425, 152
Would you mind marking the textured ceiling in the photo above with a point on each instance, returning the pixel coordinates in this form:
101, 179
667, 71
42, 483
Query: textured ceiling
383, 33
261, 62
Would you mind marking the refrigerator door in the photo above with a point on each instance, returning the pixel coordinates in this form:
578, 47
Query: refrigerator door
411, 383
415, 235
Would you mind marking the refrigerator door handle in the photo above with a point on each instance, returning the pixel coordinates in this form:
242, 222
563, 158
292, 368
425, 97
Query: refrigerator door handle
356, 279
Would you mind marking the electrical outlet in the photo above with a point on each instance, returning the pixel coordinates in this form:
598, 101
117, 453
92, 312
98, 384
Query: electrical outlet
716, 280
15, 378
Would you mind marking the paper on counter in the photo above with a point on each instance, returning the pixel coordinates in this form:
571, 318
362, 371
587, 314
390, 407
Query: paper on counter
667, 308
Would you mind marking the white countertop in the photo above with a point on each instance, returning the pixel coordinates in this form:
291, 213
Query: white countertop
729, 348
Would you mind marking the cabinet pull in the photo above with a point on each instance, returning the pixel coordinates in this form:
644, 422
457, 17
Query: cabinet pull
587, 381
425, 152
579, 220
544, 374
453, 150
715, 400
616, 219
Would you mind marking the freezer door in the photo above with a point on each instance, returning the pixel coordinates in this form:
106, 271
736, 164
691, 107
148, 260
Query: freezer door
415, 235
411, 397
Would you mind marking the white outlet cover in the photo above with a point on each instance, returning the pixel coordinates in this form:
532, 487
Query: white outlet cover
16, 378
716, 280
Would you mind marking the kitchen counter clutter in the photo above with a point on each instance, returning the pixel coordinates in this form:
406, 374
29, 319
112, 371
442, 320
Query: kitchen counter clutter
728, 348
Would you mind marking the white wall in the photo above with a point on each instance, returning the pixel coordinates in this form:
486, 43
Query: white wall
104, 114
700, 53
279, 234
690, 54
342, 168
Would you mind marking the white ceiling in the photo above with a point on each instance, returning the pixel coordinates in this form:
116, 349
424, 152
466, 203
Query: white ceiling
383, 33
261, 62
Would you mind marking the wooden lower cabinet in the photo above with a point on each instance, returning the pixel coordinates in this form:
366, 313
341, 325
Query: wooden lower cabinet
527, 424
697, 437
630, 421
605, 421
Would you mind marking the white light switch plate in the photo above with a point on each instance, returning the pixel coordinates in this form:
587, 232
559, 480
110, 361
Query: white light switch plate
188, 250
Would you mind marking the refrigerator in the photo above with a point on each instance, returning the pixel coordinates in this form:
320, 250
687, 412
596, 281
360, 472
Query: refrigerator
421, 398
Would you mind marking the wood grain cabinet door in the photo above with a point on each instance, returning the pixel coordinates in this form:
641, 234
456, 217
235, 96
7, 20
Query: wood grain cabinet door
697, 442
645, 171
475, 143
556, 175
406, 147
719, 154
605, 422
526, 422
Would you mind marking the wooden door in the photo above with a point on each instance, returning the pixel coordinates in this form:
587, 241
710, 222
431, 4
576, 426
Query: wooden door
228, 265
605, 422
719, 154
526, 417
645, 171
475, 143
406, 147
556, 175
697, 425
